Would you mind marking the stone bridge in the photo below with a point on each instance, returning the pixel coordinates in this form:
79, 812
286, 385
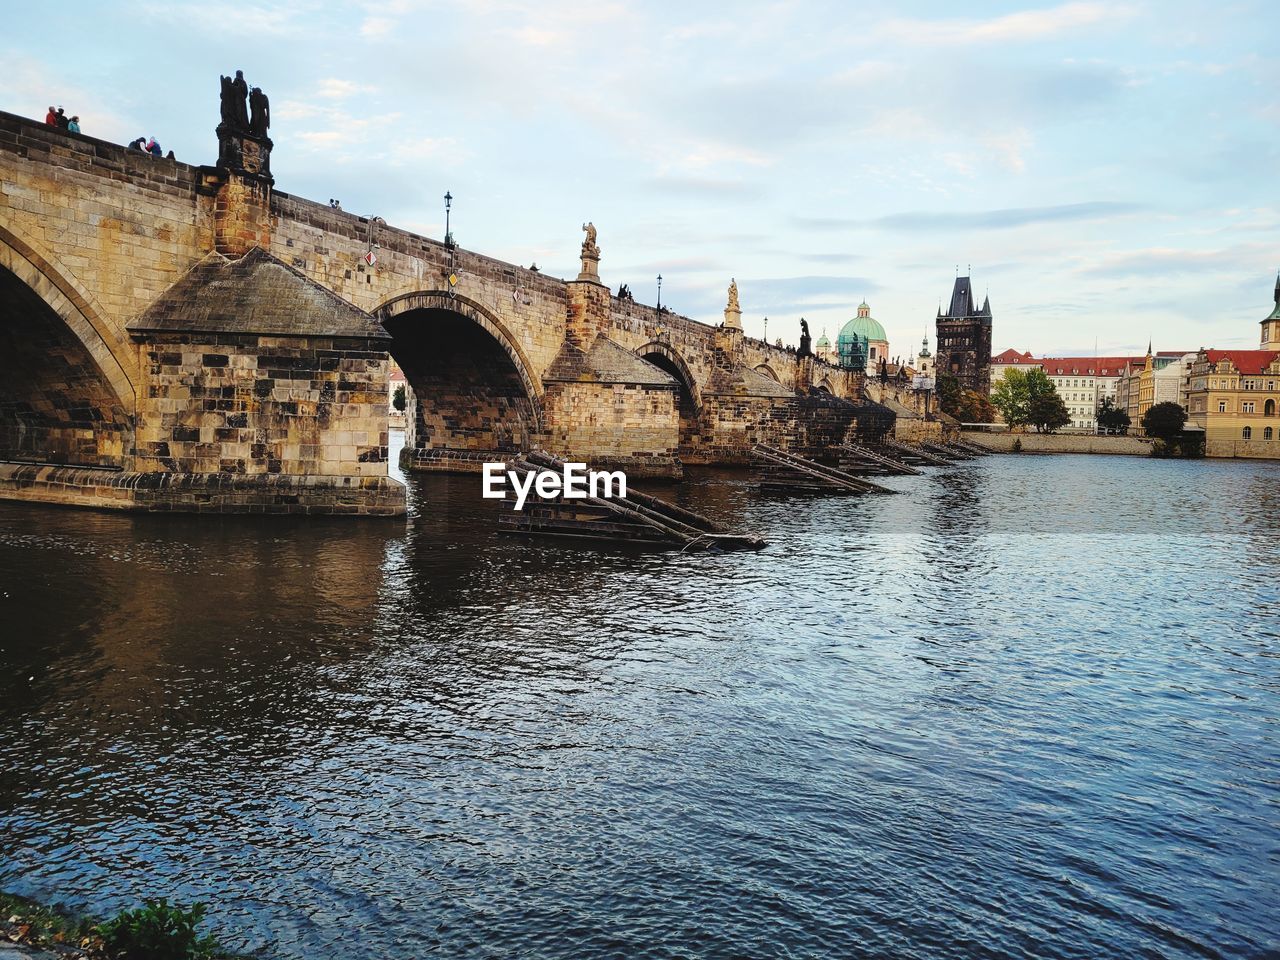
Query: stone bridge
179, 337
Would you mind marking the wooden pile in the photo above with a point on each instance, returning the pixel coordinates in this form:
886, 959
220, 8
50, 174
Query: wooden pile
913, 454
787, 473
862, 460
636, 518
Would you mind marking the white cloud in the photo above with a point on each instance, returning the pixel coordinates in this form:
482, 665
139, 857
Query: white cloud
333, 88
1021, 26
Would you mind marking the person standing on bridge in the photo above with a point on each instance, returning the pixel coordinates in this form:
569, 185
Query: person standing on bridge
73, 125
51, 118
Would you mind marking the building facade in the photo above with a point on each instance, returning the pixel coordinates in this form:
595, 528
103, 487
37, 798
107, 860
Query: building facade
1011, 359
1084, 382
1234, 395
964, 339
1156, 378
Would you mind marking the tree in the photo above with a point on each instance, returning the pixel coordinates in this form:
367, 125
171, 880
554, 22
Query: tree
948, 388
1011, 397
975, 407
1111, 418
397, 398
1029, 397
1164, 421
1046, 412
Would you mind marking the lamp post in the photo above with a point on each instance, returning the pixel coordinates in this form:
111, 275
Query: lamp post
659, 296
448, 202
766, 330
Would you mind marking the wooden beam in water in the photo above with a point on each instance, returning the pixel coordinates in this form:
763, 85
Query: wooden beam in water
807, 476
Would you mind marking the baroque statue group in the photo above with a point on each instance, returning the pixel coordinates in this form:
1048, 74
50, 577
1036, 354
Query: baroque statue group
253, 120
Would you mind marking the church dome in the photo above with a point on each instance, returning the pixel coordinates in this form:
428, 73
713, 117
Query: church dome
864, 326
823, 341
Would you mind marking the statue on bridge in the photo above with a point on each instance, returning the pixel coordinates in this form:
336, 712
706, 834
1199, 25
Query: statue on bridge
806, 349
260, 117
733, 295
590, 254
234, 112
243, 145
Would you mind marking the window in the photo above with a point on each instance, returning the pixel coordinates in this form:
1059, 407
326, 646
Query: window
1267, 433
1246, 433
1222, 406
1246, 406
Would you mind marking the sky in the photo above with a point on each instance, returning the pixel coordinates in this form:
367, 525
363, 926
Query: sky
1107, 172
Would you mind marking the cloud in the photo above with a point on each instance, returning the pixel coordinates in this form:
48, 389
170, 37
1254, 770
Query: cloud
1025, 25
375, 28
702, 186
980, 219
1177, 262
333, 88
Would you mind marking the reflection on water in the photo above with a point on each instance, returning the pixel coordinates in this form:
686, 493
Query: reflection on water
1028, 707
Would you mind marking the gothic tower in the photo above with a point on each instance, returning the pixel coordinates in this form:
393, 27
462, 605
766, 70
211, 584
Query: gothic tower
1271, 325
964, 339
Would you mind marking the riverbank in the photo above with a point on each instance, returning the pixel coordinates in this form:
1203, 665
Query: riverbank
1060, 443
42, 932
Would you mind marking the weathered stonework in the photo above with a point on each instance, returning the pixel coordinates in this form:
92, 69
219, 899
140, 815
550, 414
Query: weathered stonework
498, 357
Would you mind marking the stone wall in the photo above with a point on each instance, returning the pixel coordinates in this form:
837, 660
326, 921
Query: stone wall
250, 405
630, 426
1248, 449
205, 493
1060, 443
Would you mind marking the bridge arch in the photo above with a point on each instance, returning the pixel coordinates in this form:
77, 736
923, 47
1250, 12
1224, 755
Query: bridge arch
688, 394
665, 358
66, 395
475, 389
825, 385
768, 371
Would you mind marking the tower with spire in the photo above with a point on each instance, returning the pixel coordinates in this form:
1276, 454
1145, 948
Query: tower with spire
1271, 323
964, 339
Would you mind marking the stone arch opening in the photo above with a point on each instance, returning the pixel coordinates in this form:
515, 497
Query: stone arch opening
63, 397
1269, 409
824, 386
688, 396
768, 371
472, 389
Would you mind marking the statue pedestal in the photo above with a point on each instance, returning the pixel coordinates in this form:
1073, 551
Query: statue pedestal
590, 267
244, 153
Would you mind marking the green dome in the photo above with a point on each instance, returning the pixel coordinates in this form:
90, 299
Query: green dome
823, 341
864, 325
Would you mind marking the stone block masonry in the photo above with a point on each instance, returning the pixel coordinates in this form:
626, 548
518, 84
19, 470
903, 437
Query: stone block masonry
250, 405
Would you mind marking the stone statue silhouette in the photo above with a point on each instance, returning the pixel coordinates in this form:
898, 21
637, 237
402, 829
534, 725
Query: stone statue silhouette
733, 295
234, 112
260, 117
228, 102
804, 328
241, 90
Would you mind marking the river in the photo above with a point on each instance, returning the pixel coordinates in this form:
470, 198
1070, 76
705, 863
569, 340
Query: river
1029, 706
